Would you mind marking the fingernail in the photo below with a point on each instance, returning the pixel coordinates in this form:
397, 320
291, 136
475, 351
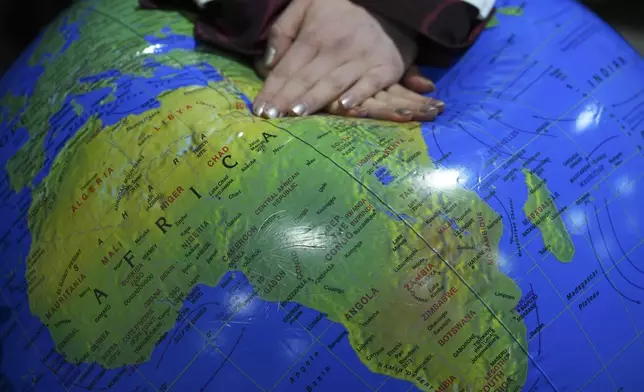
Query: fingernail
440, 105
258, 109
429, 83
270, 112
299, 109
403, 112
270, 56
347, 103
431, 110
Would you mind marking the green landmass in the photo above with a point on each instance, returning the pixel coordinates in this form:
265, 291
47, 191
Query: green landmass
11, 105
78, 108
292, 216
133, 216
104, 44
541, 210
507, 11
510, 10
493, 22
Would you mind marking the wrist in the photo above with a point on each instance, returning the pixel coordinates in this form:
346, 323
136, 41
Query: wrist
403, 37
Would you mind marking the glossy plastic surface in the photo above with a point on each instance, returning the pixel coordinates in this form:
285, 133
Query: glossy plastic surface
155, 235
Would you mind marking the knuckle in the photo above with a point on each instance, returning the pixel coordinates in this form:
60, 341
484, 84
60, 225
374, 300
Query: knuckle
364, 52
373, 82
275, 30
394, 89
277, 75
306, 81
281, 30
381, 95
310, 38
284, 100
340, 43
281, 102
269, 91
337, 84
333, 107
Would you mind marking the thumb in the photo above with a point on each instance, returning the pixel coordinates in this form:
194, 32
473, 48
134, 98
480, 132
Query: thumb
416, 82
284, 30
260, 68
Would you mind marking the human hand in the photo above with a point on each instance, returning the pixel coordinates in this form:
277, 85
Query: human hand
326, 50
398, 103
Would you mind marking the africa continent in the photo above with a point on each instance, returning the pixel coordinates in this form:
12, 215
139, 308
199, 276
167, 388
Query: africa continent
350, 218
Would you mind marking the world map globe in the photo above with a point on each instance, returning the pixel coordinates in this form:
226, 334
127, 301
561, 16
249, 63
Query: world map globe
157, 236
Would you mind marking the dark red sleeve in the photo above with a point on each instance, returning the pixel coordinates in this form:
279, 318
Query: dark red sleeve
445, 28
240, 26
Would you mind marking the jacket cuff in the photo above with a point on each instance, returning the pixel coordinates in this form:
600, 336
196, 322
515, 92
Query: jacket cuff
444, 28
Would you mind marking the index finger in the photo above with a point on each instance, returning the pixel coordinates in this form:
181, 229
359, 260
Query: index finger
296, 57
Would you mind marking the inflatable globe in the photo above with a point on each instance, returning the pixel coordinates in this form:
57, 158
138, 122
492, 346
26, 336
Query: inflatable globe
157, 236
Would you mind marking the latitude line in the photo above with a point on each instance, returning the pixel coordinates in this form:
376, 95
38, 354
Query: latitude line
137, 34
227, 358
582, 151
613, 359
467, 283
315, 339
331, 323
416, 233
620, 203
511, 77
28, 338
568, 304
553, 123
567, 309
112, 233
556, 123
194, 358
92, 216
572, 204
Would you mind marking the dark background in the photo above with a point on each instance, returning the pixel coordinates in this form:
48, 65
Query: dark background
21, 20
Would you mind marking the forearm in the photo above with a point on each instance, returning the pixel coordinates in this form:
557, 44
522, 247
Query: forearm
444, 27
